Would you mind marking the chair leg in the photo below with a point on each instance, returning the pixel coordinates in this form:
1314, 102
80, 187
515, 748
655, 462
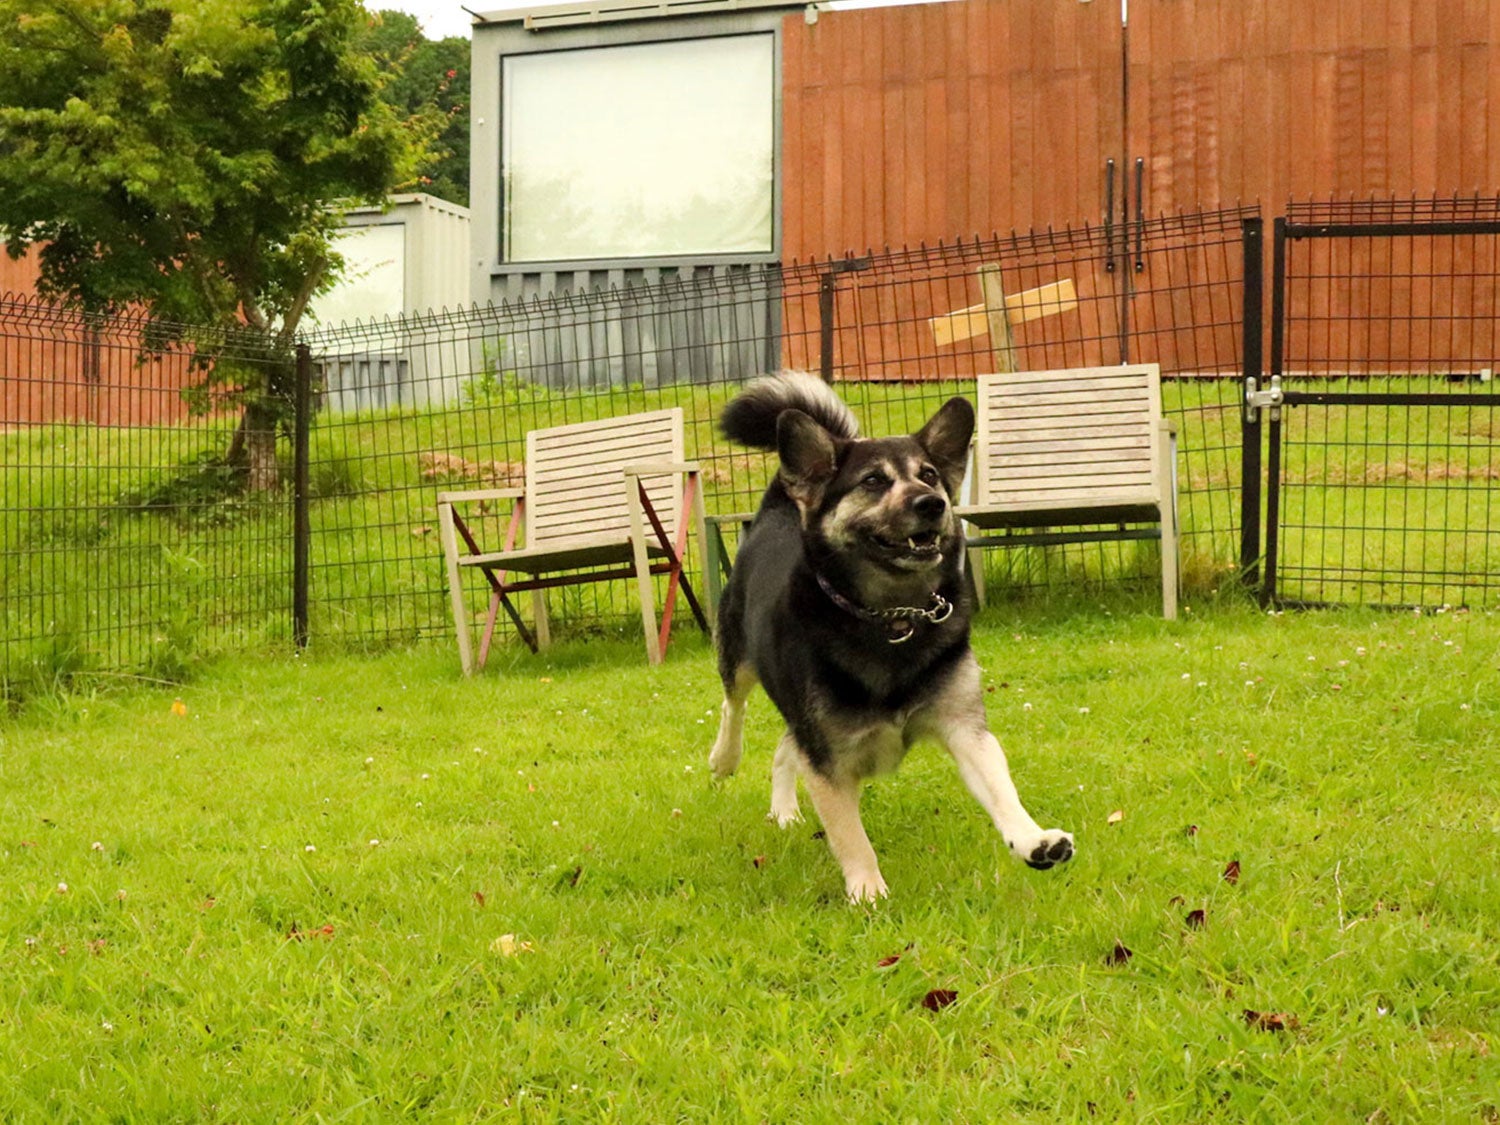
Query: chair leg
496, 598
713, 578
699, 520
539, 616
644, 586
976, 572
449, 536
647, 591
1169, 532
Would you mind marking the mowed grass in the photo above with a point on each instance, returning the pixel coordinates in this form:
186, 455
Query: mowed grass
362, 889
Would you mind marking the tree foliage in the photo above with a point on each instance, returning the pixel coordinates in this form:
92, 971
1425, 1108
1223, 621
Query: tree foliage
187, 156
183, 154
429, 80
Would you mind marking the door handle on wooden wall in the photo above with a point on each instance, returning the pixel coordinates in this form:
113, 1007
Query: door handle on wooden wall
1109, 216
1140, 213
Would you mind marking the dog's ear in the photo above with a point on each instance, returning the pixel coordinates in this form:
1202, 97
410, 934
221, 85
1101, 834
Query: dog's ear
946, 438
809, 457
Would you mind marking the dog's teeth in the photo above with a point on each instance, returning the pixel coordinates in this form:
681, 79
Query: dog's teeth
912, 543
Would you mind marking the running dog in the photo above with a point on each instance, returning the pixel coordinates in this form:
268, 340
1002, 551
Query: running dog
849, 604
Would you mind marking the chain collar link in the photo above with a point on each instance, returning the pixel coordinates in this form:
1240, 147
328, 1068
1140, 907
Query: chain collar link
899, 621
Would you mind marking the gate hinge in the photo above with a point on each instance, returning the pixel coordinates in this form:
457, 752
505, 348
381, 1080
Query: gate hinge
1256, 399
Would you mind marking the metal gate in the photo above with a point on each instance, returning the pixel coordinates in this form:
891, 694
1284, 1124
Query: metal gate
1379, 413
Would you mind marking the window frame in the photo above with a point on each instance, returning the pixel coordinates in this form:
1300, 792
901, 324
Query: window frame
587, 38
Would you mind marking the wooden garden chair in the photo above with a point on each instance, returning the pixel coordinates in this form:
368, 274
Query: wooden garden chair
1073, 448
612, 494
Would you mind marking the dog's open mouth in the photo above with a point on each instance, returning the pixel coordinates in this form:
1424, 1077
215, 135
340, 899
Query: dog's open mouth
921, 546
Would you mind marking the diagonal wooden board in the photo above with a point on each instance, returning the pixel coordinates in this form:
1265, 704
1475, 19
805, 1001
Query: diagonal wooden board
1033, 304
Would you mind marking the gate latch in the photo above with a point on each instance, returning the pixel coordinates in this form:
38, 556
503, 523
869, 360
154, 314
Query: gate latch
1257, 399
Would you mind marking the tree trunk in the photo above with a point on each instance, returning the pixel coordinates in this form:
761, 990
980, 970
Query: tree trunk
253, 448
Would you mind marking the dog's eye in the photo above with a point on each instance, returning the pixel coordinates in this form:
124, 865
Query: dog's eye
874, 481
928, 476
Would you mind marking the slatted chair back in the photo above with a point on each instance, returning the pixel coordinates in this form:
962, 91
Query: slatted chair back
1082, 438
575, 490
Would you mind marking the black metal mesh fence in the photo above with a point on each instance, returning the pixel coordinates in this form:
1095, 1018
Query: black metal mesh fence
127, 544
126, 540
411, 407
1385, 488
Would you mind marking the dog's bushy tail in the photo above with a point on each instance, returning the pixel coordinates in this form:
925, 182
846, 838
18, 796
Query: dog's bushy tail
750, 417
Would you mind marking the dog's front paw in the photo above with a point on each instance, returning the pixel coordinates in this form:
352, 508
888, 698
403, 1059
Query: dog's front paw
785, 816
724, 758
1046, 849
865, 888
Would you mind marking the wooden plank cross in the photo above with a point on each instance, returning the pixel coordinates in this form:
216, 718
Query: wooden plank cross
997, 314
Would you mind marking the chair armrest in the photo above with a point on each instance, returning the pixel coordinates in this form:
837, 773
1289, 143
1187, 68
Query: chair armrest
661, 468
480, 494
730, 517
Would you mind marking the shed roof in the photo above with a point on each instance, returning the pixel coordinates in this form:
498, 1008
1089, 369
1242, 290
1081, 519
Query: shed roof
536, 17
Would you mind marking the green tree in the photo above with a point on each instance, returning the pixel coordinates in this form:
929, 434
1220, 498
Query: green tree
430, 80
185, 156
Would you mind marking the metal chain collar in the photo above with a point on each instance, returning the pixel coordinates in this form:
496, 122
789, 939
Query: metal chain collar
899, 620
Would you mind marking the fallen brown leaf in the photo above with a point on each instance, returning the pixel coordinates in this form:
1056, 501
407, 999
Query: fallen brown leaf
1196, 919
1232, 871
479, 897
1191, 830
887, 962
1115, 817
1271, 1021
1118, 955
323, 931
760, 861
938, 999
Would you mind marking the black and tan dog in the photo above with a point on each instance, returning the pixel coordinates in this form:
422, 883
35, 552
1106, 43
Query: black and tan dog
848, 602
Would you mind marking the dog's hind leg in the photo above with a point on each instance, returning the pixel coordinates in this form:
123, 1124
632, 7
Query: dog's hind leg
957, 721
837, 802
784, 810
724, 758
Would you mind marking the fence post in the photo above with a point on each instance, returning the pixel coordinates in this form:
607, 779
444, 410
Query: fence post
301, 523
825, 326
1273, 433
827, 292
1252, 238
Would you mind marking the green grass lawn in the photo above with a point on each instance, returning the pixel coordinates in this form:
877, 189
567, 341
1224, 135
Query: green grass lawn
362, 889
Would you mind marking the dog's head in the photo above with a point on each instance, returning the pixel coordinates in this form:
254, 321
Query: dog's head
881, 503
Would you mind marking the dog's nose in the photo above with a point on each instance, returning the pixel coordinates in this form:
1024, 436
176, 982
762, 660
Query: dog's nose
930, 506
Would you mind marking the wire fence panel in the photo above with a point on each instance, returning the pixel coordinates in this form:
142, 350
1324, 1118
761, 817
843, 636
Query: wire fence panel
126, 540
894, 329
129, 541
1385, 449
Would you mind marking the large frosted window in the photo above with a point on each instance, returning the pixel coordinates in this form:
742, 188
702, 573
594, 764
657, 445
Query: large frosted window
639, 151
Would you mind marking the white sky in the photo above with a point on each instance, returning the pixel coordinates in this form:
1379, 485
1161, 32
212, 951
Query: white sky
442, 18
